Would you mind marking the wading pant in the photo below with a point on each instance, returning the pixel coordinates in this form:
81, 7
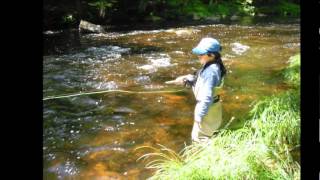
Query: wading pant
209, 124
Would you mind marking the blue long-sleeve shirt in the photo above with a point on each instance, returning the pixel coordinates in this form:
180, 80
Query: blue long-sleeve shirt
204, 90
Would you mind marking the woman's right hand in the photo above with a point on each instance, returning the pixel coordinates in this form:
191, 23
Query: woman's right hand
182, 79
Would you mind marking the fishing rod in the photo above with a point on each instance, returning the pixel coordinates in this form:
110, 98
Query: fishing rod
108, 91
178, 81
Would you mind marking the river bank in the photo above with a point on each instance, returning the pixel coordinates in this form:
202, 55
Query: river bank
63, 15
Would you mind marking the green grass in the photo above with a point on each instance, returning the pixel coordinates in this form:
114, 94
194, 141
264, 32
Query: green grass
261, 149
292, 72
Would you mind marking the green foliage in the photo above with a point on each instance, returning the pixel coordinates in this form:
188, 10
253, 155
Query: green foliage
292, 72
276, 121
142, 5
222, 9
160, 10
261, 149
101, 6
195, 8
282, 8
68, 19
288, 9
247, 8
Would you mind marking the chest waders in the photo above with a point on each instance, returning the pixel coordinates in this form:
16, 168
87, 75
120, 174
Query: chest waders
212, 120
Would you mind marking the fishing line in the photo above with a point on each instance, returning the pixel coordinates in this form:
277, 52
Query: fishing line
109, 91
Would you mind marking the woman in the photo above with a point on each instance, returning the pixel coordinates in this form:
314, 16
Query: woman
208, 110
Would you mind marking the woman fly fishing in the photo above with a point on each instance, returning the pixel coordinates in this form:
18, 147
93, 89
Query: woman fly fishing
208, 109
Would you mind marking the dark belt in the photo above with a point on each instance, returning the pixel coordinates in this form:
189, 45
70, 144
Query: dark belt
216, 99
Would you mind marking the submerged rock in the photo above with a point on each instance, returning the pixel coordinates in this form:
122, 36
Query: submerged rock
124, 110
291, 45
261, 15
63, 170
105, 53
59, 77
100, 171
118, 118
111, 85
214, 18
161, 62
238, 48
107, 49
51, 32
178, 52
142, 79
157, 61
182, 32
148, 67
83, 101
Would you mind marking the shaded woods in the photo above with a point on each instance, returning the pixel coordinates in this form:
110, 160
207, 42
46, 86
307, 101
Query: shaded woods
59, 14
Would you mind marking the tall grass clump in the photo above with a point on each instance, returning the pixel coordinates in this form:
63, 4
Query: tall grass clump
292, 73
262, 149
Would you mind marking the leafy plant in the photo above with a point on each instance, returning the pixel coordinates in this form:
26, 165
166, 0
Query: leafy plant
101, 6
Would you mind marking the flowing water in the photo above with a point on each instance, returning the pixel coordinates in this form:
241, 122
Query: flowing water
95, 136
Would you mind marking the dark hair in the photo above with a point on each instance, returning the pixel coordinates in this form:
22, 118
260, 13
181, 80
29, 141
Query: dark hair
218, 60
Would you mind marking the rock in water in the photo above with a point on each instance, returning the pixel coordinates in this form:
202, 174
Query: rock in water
239, 48
124, 110
148, 67
142, 80
157, 61
88, 27
182, 32
214, 18
234, 18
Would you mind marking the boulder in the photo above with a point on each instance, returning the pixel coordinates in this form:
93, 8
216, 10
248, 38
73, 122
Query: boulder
238, 48
182, 32
214, 18
88, 27
234, 18
261, 15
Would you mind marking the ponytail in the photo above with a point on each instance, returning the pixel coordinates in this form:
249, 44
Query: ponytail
218, 61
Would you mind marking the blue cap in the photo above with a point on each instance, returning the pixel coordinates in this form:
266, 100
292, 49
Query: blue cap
207, 45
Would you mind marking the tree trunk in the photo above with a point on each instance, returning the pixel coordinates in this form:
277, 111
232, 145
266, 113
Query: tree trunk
79, 11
